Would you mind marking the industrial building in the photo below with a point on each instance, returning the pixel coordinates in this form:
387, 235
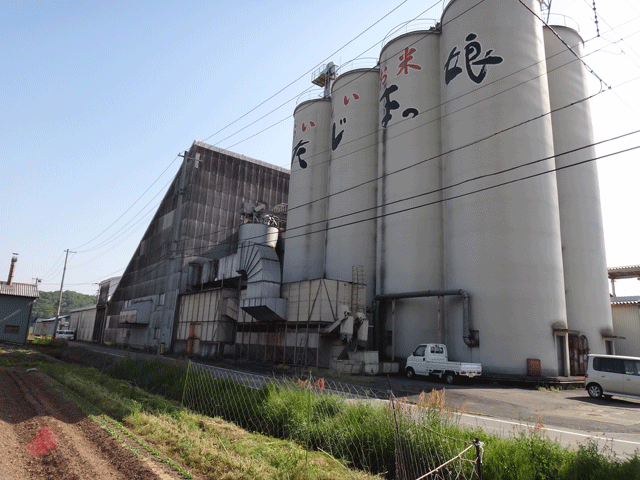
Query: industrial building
16, 303
196, 224
444, 194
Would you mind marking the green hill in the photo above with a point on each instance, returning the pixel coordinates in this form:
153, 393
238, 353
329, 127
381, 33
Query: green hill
47, 304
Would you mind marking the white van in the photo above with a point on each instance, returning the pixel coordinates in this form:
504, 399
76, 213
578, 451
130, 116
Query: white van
609, 375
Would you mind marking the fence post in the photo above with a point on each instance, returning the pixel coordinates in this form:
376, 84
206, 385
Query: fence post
478, 444
186, 378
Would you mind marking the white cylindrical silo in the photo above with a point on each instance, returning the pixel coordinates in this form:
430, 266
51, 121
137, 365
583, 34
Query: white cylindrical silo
409, 240
502, 233
353, 141
583, 252
307, 214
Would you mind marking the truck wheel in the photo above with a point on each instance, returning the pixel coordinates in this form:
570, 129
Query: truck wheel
594, 390
449, 378
410, 372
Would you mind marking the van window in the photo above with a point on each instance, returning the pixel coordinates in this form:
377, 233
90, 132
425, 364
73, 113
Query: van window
419, 352
437, 349
631, 367
611, 365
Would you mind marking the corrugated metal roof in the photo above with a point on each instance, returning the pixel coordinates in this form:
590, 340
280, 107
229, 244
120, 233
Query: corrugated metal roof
240, 156
630, 271
80, 309
625, 300
19, 289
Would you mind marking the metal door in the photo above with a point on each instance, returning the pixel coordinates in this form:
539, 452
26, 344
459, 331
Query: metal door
578, 351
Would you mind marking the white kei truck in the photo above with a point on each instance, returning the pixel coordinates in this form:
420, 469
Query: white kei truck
432, 359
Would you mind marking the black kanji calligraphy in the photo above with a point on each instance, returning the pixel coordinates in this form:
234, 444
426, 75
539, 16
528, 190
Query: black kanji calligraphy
336, 139
298, 151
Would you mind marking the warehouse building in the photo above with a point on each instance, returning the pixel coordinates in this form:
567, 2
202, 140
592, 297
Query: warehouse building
195, 225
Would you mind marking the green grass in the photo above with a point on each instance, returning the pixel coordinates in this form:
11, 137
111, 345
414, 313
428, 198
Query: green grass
48, 341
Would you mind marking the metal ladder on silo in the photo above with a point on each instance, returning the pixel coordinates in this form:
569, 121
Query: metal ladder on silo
357, 279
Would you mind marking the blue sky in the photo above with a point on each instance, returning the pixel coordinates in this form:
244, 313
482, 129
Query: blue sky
98, 98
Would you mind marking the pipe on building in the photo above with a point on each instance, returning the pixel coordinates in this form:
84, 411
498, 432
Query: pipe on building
470, 337
12, 268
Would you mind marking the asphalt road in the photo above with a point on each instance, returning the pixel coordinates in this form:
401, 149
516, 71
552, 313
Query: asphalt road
569, 416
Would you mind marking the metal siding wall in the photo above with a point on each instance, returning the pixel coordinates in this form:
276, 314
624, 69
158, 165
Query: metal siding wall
354, 159
626, 323
210, 220
502, 245
14, 311
583, 252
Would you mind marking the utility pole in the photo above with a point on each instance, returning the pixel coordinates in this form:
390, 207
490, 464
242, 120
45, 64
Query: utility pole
64, 270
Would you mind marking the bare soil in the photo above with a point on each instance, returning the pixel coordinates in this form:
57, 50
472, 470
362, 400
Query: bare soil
43, 435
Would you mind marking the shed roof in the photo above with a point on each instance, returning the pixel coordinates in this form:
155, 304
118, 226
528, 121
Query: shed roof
81, 309
631, 271
15, 289
625, 300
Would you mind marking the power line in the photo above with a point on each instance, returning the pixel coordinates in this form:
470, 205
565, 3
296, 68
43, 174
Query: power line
430, 158
442, 189
358, 76
161, 261
473, 6
469, 92
308, 71
254, 108
130, 207
338, 192
496, 133
108, 240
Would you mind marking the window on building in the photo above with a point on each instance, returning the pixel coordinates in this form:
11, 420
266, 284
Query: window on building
11, 329
161, 299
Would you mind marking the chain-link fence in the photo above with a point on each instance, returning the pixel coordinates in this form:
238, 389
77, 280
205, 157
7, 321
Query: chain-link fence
367, 429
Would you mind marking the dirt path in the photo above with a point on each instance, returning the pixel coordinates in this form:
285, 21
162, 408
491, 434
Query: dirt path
43, 435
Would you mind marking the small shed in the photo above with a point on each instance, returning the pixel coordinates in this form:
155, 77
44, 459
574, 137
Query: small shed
16, 303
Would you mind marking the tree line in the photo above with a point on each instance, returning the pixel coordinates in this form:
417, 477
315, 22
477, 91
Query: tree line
46, 305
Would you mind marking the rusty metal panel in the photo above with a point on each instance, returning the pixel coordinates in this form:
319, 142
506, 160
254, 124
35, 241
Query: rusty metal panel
578, 351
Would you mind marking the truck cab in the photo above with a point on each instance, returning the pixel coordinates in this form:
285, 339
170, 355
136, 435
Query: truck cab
433, 359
